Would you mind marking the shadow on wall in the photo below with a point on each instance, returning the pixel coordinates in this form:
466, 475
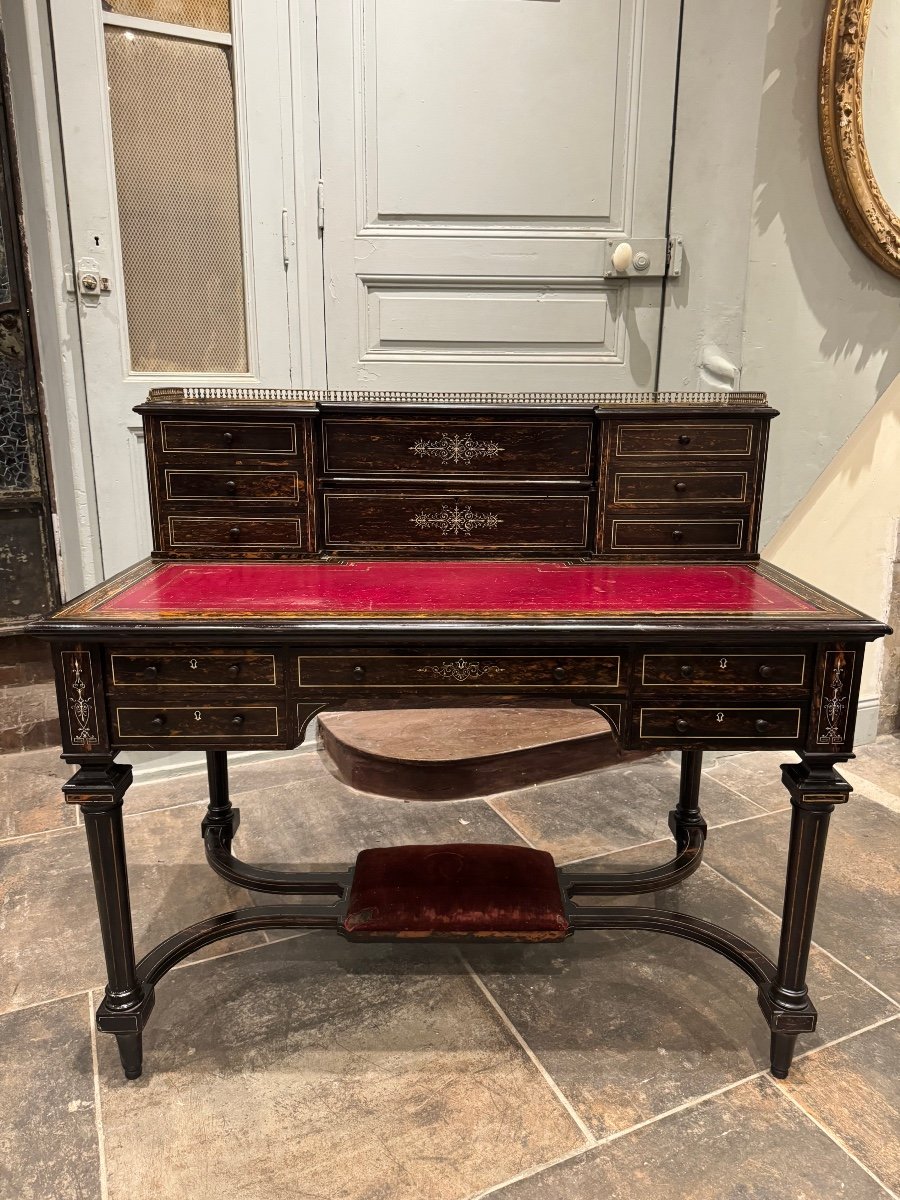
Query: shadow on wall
821, 326
843, 533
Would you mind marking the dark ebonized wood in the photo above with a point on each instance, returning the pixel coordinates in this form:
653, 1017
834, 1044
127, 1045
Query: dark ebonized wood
268, 475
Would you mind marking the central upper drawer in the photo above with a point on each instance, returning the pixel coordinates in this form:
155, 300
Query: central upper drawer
374, 521
544, 448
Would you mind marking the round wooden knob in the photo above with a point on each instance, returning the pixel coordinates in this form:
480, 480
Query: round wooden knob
677, 535
230, 487
687, 671
559, 673
359, 673
234, 533
765, 671
684, 439
762, 725
159, 720
237, 719
682, 725
234, 670
680, 486
228, 437
151, 672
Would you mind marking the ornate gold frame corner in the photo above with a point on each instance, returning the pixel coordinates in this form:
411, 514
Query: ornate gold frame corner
872, 222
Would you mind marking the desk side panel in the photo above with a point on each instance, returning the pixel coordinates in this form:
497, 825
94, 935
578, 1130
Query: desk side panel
80, 694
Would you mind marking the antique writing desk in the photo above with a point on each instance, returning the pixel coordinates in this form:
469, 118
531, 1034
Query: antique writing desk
312, 548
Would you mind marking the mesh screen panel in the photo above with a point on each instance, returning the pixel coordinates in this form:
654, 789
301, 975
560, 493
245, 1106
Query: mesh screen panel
173, 129
202, 14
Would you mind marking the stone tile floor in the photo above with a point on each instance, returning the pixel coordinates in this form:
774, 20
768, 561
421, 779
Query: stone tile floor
614, 1065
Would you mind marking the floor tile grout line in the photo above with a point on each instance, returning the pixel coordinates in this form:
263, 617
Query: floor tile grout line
654, 841
178, 967
845, 1037
98, 1110
39, 1003
833, 1136
573, 862
197, 962
869, 789
817, 945
614, 1137
590, 1139
743, 796
30, 837
530, 1172
671, 1112
506, 821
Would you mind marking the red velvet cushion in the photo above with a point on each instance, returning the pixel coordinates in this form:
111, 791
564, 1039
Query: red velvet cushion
456, 892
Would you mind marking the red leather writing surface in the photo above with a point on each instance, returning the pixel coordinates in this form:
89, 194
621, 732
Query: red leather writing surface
380, 589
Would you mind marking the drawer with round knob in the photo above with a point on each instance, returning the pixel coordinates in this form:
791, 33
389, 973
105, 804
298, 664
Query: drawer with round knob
725, 669
239, 487
228, 722
675, 535
237, 669
680, 487
453, 670
240, 533
731, 723
684, 439
259, 438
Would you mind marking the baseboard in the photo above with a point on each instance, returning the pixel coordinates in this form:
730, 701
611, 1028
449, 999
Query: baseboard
867, 718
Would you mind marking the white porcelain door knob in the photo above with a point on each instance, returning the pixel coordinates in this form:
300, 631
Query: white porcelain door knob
622, 256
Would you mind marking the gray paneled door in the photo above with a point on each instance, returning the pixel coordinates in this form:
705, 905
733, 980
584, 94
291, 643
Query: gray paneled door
474, 157
476, 154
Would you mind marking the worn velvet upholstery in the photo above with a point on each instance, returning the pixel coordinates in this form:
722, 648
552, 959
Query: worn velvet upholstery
456, 892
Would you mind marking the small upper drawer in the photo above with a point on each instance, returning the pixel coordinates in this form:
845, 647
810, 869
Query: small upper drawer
688, 670
241, 487
680, 487
675, 534
542, 448
719, 724
235, 721
246, 532
389, 520
684, 439
228, 437
193, 670
453, 670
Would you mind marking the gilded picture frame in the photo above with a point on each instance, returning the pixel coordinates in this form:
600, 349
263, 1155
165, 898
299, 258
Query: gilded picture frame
870, 219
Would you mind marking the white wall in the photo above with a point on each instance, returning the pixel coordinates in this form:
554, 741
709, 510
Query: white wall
821, 337
821, 320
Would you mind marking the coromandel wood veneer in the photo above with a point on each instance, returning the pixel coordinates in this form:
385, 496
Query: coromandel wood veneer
314, 548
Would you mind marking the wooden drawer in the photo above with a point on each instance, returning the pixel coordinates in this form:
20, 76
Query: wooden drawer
397, 521
237, 669
680, 487
234, 532
690, 670
675, 534
544, 448
228, 437
452, 669
727, 724
234, 722
684, 439
237, 487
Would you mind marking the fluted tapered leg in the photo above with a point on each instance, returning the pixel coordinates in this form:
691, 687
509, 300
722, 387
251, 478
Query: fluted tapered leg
815, 789
98, 788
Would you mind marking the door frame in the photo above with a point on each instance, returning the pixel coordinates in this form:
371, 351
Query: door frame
718, 106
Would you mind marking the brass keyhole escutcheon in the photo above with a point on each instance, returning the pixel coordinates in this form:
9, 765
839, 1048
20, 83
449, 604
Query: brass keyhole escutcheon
198, 715
720, 717
193, 664
723, 663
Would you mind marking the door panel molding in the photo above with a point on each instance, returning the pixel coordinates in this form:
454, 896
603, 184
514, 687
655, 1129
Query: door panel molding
396, 262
